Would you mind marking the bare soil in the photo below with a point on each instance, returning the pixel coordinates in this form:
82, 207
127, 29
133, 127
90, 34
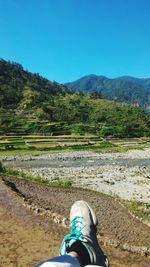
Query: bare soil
28, 237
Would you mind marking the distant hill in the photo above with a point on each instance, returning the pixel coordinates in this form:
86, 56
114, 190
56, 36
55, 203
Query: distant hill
31, 104
123, 89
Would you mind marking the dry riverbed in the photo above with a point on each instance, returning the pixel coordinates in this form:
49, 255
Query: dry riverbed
126, 175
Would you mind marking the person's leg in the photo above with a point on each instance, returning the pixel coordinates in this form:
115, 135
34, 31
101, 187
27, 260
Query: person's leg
80, 247
82, 237
70, 260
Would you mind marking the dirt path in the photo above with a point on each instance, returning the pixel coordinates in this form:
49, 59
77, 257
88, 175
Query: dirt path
27, 237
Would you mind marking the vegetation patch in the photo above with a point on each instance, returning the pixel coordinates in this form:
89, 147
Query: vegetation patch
139, 209
38, 180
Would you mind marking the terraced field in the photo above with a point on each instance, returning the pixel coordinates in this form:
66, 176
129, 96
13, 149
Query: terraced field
37, 144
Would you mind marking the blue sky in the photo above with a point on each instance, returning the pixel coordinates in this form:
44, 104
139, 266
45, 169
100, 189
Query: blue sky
64, 40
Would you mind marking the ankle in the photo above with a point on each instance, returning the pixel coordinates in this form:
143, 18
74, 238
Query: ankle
81, 253
73, 254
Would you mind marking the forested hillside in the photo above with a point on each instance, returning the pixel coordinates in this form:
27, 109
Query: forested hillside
19, 87
124, 89
30, 103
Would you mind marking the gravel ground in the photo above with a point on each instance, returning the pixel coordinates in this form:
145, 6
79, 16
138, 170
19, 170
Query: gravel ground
126, 175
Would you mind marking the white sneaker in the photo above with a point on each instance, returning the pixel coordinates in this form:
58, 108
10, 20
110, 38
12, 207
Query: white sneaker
83, 223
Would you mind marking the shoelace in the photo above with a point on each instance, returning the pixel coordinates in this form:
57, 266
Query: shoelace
76, 227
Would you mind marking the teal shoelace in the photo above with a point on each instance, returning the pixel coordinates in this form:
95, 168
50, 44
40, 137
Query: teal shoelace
76, 228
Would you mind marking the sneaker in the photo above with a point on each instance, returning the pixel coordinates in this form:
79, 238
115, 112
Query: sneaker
83, 224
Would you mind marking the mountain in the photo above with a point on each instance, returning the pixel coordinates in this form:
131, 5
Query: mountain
31, 104
123, 89
18, 86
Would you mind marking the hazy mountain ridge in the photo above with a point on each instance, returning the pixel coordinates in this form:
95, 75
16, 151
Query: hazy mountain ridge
123, 89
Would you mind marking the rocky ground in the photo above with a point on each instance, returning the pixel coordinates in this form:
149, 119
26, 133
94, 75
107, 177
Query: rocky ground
34, 218
126, 175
